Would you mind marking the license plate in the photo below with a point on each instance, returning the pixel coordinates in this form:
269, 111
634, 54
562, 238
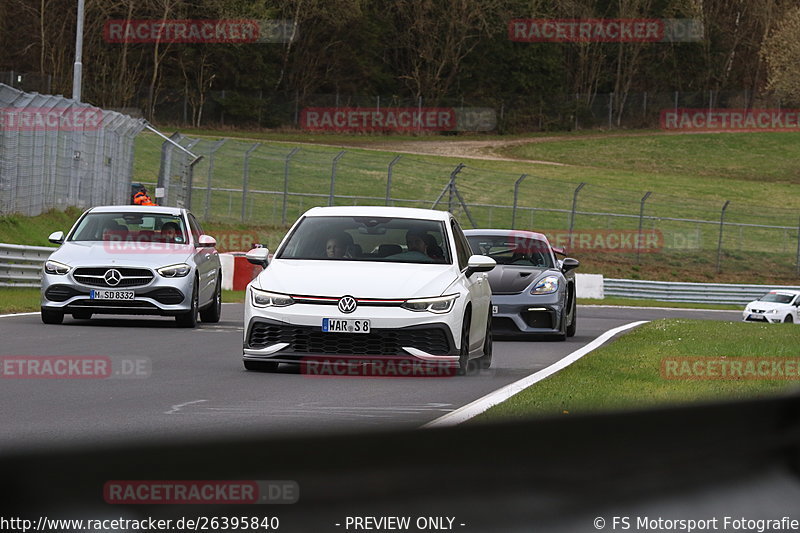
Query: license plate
111, 295
754, 316
494, 309
345, 325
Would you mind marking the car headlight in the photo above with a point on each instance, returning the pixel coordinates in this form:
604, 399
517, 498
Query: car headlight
175, 271
439, 304
269, 299
771, 311
546, 285
54, 267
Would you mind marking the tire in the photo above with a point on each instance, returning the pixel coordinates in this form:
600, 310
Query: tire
573, 324
189, 318
52, 317
82, 315
261, 366
463, 354
212, 313
485, 360
788, 320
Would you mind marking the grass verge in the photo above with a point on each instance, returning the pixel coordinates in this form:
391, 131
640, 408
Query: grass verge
627, 373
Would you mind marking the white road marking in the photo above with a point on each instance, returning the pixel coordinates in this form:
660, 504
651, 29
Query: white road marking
20, 314
176, 408
480, 405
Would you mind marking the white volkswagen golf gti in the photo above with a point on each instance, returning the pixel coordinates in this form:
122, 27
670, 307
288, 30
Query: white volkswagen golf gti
366, 284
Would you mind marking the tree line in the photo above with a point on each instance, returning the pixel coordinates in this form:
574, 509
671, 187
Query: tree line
443, 51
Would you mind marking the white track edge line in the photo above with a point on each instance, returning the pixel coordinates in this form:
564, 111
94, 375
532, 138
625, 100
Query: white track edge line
462, 414
20, 314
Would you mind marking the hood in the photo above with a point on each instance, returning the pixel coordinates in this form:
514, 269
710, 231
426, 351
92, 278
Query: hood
135, 254
360, 279
766, 306
508, 279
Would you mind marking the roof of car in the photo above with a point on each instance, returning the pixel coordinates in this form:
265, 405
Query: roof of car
377, 211
135, 209
505, 232
793, 292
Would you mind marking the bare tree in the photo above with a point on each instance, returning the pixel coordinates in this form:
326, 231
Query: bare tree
781, 53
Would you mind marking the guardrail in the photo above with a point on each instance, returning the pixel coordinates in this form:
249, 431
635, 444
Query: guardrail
718, 293
21, 266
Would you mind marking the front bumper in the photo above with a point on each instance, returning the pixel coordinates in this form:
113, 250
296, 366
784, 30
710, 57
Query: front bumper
762, 317
283, 342
527, 314
161, 296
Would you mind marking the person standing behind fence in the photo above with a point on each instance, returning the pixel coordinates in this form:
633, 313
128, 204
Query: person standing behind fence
141, 198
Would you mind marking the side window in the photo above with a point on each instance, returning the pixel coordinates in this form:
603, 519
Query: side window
195, 228
462, 247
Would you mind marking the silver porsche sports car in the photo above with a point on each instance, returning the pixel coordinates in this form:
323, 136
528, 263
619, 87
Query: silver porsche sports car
533, 292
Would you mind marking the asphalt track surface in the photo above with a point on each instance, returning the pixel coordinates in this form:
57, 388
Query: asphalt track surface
193, 383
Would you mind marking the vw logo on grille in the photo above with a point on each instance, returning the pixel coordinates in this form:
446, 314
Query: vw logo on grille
347, 304
112, 277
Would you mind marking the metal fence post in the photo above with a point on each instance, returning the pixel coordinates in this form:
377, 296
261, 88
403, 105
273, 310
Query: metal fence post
389, 178
641, 220
452, 186
719, 244
572, 214
798, 249
246, 178
333, 175
286, 183
211, 153
516, 192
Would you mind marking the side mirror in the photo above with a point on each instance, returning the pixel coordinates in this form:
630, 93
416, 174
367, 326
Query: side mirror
57, 237
206, 241
479, 263
258, 256
569, 264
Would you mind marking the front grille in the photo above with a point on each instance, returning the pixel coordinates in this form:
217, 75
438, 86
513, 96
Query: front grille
60, 293
311, 340
131, 277
164, 295
129, 304
504, 325
538, 319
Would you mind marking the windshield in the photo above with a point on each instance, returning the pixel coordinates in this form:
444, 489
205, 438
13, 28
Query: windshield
512, 250
777, 298
134, 227
385, 239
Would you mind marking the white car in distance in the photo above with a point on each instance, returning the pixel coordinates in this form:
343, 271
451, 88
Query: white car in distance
774, 307
370, 284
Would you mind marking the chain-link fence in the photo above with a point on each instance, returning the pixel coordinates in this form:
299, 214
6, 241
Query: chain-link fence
272, 184
56, 152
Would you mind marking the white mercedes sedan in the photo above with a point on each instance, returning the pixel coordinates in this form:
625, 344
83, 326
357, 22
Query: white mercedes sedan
382, 288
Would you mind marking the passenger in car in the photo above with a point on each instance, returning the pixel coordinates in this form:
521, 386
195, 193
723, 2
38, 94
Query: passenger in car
171, 233
338, 245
